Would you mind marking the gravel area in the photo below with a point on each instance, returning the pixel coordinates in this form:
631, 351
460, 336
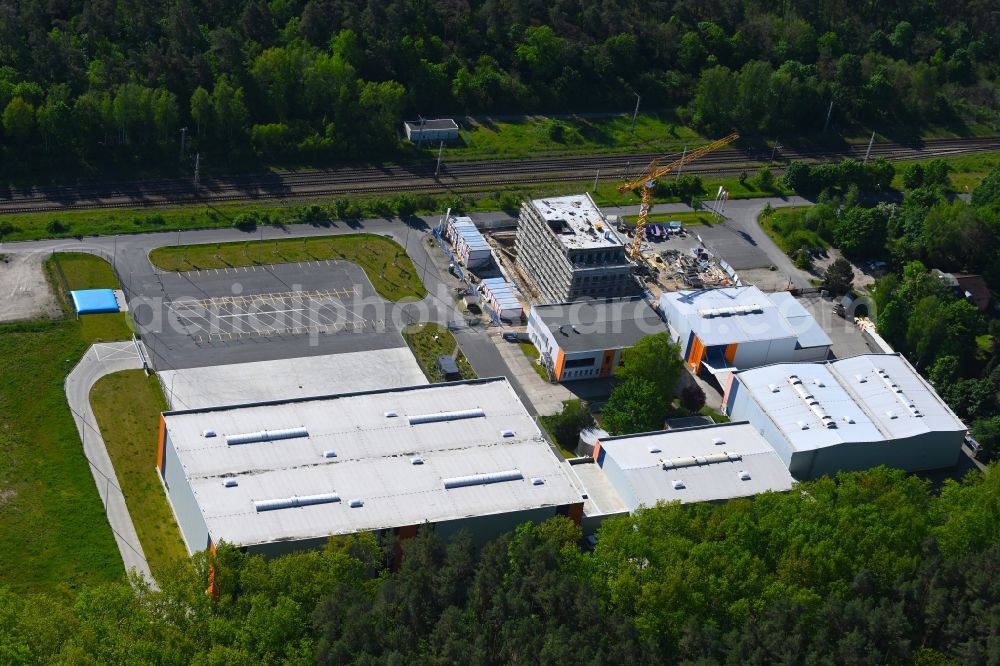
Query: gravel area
24, 292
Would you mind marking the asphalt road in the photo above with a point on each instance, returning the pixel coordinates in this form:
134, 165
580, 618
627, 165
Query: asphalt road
739, 236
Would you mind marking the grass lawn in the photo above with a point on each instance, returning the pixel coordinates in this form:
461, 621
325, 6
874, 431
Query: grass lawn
130, 430
967, 170
787, 229
85, 271
532, 136
563, 429
533, 355
688, 219
51, 517
427, 342
385, 263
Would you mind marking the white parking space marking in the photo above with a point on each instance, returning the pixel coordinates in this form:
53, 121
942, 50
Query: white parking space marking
270, 314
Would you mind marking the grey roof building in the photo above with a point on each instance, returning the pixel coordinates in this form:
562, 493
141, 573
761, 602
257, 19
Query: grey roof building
440, 129
849, 414
569, 251
283, 475
585, 339
702, 464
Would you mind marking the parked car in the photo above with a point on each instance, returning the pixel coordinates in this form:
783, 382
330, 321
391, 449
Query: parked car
973, 445
513, 336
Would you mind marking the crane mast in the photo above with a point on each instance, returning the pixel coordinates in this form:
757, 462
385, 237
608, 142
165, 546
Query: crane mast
648, 180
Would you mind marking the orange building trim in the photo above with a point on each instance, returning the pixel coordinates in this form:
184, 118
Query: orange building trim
560, 361
213, 589
731, 352
607, 362
161, 451
696, 354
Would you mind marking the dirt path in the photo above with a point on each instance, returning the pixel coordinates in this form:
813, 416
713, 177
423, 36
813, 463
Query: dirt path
24, 292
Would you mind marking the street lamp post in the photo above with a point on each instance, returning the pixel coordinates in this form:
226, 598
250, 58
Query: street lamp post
635, 113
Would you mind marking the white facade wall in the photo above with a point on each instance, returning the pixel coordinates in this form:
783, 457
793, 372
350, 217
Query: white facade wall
809, 354
677, 323
541, 336
545, 342
764, 352
182, 500
929, 450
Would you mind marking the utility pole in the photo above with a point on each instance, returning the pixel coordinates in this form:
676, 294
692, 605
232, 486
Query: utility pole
183, 137
869, 151
775, 148
681, 167
828, 112
437, 169
636, 112
595, 179
197, 166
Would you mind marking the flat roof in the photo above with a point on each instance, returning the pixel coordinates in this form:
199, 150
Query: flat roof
577, 222
435, 124
594, 325
712, 463
243, 383
745, 314
883, 400
855, 397
800, 320
602, 498
94, 301
457, 429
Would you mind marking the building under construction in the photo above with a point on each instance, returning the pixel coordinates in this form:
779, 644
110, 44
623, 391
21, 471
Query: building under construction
569, 251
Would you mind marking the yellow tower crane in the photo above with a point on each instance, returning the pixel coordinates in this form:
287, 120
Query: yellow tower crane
648, 180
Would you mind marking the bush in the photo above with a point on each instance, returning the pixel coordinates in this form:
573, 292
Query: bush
682, 187
57, 227
565, 426
803, 261
692, 398
555, 130
987, 433
839, 277
764, 179
311, 213
246, 221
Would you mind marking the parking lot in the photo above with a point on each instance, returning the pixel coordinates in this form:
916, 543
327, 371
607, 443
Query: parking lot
263, 313
737, 247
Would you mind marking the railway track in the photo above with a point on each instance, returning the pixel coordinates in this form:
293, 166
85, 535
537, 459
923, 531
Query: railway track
467, 176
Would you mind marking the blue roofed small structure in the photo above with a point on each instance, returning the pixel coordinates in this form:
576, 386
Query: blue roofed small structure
94, 301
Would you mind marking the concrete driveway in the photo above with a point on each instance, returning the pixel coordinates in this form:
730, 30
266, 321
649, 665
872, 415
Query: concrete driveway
100, 360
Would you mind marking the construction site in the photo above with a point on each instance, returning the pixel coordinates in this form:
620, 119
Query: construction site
563, 249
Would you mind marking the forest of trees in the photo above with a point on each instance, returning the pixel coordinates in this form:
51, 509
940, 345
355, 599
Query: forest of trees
945, 337
99, 82
869, 568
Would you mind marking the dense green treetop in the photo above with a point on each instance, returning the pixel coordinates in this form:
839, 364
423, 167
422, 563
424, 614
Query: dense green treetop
331, 79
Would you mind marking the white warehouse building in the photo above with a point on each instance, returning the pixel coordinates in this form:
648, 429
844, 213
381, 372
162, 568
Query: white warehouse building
283, 475
711, 463
849, 414
722, 330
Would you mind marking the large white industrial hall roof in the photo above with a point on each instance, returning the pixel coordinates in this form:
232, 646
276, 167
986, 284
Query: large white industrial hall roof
314, 467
